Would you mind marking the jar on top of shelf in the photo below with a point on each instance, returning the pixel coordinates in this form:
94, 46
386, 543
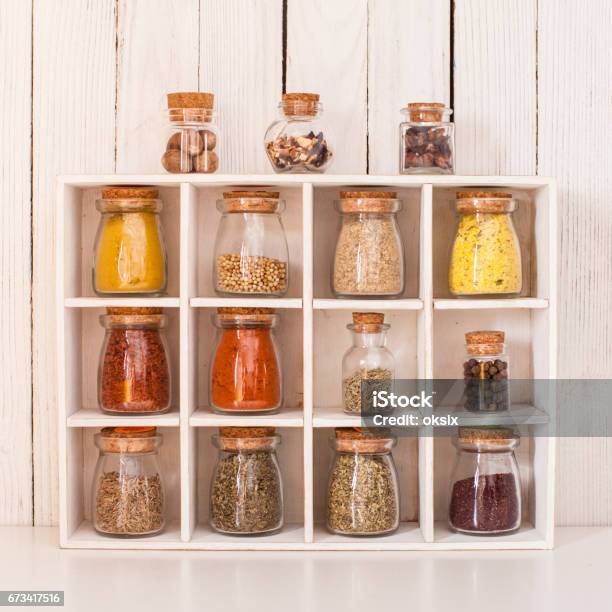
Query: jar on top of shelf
427, 139
129, 252
245, 372
486, 372
298, 142
362, 493
369, 255
128, 490
485, 487
368, 365
251, 256
192, 135
486, 254
246, 494
134, 372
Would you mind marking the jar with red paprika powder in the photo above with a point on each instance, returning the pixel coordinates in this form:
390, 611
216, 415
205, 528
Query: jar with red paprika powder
245, 373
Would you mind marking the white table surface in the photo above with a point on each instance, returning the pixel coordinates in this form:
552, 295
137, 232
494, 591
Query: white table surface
576, 576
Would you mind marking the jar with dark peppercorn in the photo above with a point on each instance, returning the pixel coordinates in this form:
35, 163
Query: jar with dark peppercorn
427, 139
485, 490
134, 372
486, 372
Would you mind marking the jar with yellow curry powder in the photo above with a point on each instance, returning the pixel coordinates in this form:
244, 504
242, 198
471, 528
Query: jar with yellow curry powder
486, 254
129, 254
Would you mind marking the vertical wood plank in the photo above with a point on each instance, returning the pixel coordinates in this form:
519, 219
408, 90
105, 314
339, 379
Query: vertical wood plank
408, 61
16, 504
574, 129
241, 63
495, 86
74, 131
157, 53
327, 54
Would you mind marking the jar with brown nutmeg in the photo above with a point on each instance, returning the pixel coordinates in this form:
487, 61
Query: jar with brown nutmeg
427, 139
192, 134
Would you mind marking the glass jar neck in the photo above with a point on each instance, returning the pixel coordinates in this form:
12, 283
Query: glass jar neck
363, 339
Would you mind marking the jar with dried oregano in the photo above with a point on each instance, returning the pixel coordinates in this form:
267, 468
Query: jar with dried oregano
128, 491
246, 494
368, 366
369, 256
363, 494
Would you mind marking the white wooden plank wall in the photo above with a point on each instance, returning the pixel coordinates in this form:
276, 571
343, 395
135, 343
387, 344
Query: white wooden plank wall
531, 89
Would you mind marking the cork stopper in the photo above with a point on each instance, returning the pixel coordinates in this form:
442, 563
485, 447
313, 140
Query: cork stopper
427, 112
486, 342
128, 439
363, 440
300, 103
491, 435
247, 438
368, 322
368, 201
115, 310
469, 202
239, 314
120, 192
251, 201
190, 106
136, 317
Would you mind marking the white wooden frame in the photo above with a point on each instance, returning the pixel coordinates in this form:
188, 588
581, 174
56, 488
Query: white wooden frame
534, 313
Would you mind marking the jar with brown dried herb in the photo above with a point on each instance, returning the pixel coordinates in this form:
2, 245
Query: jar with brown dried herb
362, 494
485, 490
128, 490
134, 371
369, 255
368, 366
246, 494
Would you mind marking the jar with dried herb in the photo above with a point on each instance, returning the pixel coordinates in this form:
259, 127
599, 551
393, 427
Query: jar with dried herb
251, 255
368, 366
486, 254
128, 490
192, 134
362, 495
369, 256
245, 372
134, 371
486, 372
129, 252
246, 495
485, 491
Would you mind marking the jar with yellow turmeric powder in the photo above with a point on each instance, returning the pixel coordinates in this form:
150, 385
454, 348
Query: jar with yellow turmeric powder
486, 254
129, 253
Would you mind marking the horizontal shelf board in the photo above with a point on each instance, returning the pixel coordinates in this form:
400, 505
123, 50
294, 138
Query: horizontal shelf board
290, 536
139, 302
527, 537
215, 302
287, 417
92, 417
341, 304
520, 414
334, 416
86, 536
408, 535
461, 304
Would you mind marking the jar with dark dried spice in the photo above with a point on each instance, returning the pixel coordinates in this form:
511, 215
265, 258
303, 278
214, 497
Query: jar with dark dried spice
134, 372
485, 492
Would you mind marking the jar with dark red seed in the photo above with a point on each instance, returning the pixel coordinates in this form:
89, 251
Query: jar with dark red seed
485, 489
134, 372
486, 372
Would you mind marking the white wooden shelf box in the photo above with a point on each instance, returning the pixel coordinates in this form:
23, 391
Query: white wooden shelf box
426, 337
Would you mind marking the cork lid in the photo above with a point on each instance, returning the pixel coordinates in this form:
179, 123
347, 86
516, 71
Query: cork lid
368, 322
120, 192
485, 342
247, 438
133, 317
238, 315
116, 310
368, 201
427, 112
300, 103
490, 436
469, 202
363, 440
128, 439
251, 201
190, 106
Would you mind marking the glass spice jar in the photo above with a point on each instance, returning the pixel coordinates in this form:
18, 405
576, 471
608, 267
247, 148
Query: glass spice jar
251, 254
129, 251
128, 490
486, 254
427, 139
246, 494
297, 141
245, 372
134, 371
362, 494
485, 495
368, 365
369, 255
486, 372
192, 134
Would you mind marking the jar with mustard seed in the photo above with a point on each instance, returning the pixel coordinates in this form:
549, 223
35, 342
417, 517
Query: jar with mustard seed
129, 251
251, 257
486, 254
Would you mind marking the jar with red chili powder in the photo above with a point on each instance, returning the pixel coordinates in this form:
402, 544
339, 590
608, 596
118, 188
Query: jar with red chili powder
245, 373
134, 372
